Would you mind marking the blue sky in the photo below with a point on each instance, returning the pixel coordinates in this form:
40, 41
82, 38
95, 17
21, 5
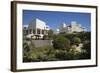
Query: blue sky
55, 19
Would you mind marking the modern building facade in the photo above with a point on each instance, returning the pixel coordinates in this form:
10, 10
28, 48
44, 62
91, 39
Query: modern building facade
37, 27
73, 27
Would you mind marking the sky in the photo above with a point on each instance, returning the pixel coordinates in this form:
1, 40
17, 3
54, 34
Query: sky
54, 18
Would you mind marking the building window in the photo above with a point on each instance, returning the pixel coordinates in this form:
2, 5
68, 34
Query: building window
33, 31
42, 31
30, 31
38, 31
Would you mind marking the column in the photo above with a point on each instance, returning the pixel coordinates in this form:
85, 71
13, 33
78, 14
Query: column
40, 31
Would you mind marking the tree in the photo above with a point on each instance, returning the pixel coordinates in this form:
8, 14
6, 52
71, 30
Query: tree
26, 49
87, 48
76, 40
84, 36
61, 42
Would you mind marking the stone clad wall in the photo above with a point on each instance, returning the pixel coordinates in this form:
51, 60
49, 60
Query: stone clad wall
40, 43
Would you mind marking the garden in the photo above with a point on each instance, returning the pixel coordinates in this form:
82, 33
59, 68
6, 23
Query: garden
64, 47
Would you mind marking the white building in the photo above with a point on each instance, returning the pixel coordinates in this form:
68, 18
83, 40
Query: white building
73, 27
37, 27
63, 28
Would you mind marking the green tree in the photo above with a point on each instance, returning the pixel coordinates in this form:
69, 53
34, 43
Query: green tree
61, 42
26, 49
76, 40
84, 36
87, 48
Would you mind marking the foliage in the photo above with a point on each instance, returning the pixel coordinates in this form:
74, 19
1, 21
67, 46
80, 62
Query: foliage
73, 55
63, 48
87, 47
26, 49
39, 54
76, 40
61, 54
61, 42
84, 36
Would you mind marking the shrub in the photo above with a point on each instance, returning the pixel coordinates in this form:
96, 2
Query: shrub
61, 42
66, 55
76, 40
61, 54
27, 47
87, 47
26, 50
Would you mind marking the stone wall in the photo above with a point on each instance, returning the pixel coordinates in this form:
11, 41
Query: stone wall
40, 43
